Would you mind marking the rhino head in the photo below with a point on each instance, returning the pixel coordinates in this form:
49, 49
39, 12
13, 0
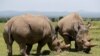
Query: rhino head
87, 46
56, 44
82, 39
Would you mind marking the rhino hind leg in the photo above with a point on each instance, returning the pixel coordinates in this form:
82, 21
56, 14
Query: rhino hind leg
9, 48
29, 47
8, 42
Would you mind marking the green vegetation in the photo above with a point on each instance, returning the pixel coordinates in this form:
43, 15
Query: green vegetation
94, 33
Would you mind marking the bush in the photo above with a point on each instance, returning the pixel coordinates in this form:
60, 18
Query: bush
4, 19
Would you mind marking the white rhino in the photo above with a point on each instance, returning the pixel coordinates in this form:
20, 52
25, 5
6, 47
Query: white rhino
72, 27
27, 30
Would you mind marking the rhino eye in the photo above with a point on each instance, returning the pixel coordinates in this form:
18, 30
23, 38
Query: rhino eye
81, 32
86, 31
58, 44
90, 40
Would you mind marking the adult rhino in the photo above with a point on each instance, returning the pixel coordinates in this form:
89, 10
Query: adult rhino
27, 30
72, 27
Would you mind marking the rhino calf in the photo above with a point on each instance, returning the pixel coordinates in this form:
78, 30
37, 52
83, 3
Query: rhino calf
72, 27
27, 30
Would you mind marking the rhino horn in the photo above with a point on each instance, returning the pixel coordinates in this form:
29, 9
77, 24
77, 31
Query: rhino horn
67, 45
93, 45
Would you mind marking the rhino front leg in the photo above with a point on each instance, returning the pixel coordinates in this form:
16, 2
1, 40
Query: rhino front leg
40, 45
76, 47
23, 49
67, 41
29, 47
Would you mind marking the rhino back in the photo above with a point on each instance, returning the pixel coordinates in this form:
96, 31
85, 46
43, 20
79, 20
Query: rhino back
39, 24
68, 22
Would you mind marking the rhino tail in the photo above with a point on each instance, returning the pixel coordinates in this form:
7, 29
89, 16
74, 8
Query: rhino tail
9, 36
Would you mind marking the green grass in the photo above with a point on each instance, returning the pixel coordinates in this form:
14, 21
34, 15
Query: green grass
94, 33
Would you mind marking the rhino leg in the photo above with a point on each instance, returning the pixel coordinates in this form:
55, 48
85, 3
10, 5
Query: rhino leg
67, 41
9, 48
8, 42
41, 44
29, 47
23, 49
76, 47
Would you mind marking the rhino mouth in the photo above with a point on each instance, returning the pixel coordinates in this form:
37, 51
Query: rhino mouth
87, 50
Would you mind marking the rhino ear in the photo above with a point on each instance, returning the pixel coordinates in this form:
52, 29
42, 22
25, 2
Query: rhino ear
89, 24
76, 27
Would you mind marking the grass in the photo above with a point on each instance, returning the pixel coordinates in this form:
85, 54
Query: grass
94, 33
